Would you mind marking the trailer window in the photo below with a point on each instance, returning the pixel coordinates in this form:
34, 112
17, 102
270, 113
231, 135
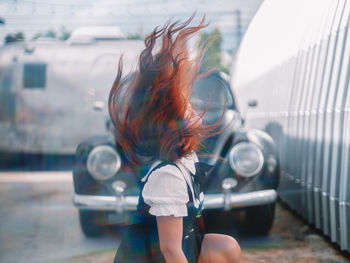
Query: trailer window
34, 75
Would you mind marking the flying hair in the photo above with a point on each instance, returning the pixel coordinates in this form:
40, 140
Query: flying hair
150, 109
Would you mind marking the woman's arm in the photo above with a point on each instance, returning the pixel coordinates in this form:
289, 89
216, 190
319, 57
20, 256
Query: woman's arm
170, 238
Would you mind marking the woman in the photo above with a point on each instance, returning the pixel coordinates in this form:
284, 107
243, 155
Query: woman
157, 125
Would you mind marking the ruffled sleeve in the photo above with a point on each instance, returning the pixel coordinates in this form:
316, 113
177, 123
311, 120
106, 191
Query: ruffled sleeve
166, 192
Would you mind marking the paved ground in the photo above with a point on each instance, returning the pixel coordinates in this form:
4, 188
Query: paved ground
39, 224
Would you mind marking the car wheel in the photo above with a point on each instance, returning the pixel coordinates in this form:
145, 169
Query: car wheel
90, 222
259, 219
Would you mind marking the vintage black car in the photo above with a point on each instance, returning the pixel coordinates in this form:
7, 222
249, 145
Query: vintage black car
245, 177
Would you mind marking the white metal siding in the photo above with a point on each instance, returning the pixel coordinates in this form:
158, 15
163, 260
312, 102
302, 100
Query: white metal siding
295, 61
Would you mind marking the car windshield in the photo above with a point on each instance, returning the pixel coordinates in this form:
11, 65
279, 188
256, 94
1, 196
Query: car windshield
212, 90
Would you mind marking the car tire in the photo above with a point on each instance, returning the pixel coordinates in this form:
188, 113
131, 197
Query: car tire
90, 222
259, 219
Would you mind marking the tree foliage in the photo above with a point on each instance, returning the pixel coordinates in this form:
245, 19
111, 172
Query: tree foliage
63, 34
134, 36
14, 37
213, 54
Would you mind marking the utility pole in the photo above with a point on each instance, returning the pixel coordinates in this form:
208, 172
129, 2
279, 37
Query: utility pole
238, 27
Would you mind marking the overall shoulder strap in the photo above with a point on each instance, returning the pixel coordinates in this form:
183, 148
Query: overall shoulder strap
163, 163
159, 165
181, 172
188, 186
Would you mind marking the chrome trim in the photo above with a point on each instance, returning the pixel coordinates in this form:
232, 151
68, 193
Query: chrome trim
101, 148
240, 200
211, 201
236, 148
227, 185
108, 203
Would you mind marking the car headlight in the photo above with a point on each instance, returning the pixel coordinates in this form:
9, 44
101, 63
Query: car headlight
246, 159
103, 162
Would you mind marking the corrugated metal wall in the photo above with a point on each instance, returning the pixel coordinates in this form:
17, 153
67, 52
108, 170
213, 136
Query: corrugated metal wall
312, 127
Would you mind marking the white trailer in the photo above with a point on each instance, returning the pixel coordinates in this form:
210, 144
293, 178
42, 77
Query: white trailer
53, 94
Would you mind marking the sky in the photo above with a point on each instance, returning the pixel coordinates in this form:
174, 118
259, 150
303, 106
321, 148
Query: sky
132, 16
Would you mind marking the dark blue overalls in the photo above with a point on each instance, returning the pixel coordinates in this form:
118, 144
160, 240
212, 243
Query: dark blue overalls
139, 240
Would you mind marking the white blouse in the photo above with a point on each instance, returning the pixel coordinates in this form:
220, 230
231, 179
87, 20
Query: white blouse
166, 190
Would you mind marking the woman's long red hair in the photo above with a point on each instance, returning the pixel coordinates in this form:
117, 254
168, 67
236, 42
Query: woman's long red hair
150, 112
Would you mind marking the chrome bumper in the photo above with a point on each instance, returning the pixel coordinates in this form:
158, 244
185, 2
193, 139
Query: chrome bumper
211, 201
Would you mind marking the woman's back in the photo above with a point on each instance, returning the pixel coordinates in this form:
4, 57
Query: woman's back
167, 189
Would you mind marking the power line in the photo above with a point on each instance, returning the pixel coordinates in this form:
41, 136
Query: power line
106, 3
77, 17
210, 13
11, 20
238, 26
